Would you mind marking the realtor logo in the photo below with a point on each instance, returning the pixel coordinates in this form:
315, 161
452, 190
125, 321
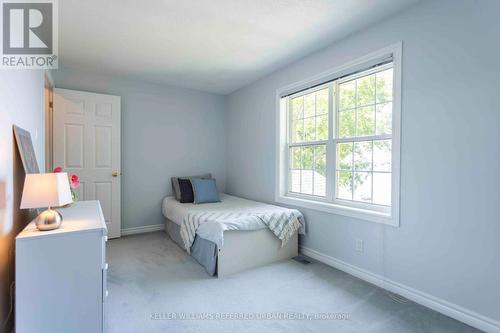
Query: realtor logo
29, 34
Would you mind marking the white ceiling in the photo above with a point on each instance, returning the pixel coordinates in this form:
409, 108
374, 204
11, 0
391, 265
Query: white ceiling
217, 46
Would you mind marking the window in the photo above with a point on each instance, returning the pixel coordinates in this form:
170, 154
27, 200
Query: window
364, 140
338, 141
308, 119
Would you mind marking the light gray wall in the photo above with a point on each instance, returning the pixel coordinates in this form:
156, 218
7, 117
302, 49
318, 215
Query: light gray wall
21, 104
166, 131
448, 244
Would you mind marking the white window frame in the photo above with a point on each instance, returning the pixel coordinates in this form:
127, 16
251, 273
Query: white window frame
368, 212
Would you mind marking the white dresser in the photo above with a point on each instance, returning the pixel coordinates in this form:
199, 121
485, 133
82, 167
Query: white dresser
61, 274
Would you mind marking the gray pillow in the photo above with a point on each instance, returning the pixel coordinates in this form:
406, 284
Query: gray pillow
175, 184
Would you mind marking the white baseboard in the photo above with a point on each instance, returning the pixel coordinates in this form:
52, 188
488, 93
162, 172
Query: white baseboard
142, 230
449, 309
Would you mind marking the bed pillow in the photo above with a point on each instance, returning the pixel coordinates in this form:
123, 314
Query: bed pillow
175, 184
204, 190
185, 190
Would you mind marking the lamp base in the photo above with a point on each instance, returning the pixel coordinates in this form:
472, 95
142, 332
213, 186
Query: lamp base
48, 220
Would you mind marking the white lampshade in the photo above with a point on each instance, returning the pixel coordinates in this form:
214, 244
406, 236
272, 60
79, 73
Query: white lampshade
46, 190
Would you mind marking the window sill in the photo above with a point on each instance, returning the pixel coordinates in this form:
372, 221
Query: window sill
362, 214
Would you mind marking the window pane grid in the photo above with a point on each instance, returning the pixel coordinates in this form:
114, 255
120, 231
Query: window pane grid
366, 97
307, 170
376, 108
362, 168
362, 133
309, 117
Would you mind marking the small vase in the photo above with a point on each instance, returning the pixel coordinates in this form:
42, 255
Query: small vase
74, 196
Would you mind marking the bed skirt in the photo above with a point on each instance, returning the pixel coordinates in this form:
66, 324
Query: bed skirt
202, 250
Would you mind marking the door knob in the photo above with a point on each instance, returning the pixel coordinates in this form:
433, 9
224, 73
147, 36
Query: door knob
114, 174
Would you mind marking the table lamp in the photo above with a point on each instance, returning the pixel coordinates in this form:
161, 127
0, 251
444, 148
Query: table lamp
46, 190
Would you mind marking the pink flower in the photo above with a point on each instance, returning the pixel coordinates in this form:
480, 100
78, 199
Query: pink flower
74, 181
57, 169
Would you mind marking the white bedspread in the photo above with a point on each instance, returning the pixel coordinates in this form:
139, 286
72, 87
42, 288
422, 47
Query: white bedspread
232, 213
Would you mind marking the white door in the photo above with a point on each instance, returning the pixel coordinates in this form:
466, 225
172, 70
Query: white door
86, 134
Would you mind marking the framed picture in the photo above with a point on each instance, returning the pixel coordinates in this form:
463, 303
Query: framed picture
26, 150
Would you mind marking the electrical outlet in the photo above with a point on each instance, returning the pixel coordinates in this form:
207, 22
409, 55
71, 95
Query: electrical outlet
359, 245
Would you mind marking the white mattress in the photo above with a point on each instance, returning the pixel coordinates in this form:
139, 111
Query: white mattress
174, 210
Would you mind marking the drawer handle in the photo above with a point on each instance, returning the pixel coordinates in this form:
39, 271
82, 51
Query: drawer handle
106, 266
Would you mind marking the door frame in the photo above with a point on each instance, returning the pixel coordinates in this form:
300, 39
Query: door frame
48, 103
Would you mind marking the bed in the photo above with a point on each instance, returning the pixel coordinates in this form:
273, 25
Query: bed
235, 234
